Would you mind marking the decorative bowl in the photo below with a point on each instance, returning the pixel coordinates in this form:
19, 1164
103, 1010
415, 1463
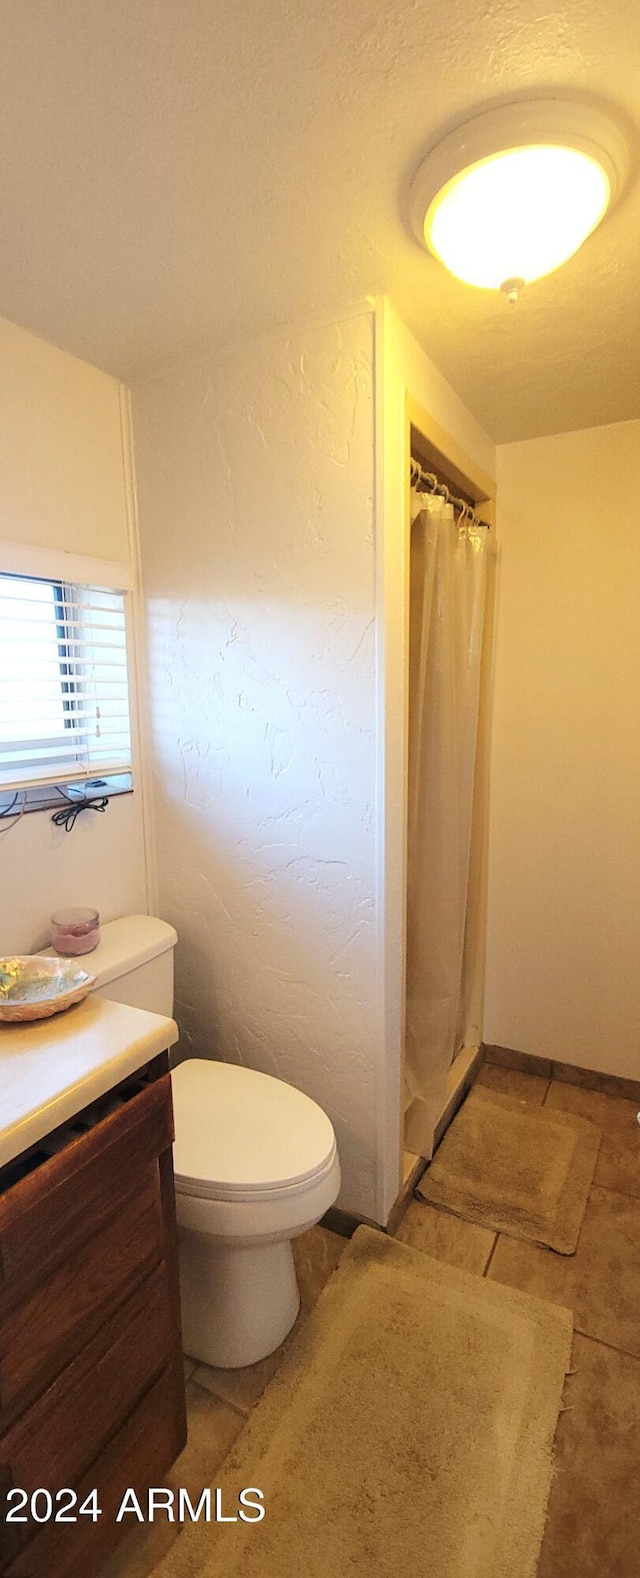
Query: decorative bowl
33, 986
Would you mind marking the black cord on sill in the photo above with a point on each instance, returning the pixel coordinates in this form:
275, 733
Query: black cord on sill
68, 814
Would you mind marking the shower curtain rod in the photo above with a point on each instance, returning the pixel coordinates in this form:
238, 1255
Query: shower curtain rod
426, 479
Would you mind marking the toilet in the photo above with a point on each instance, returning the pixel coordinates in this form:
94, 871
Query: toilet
255, 1164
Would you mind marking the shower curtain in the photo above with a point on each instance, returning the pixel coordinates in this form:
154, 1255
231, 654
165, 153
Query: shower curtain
448, 594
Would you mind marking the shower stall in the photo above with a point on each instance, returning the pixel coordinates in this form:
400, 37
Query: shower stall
451, 589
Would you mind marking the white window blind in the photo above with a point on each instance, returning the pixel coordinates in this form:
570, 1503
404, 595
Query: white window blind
64, 704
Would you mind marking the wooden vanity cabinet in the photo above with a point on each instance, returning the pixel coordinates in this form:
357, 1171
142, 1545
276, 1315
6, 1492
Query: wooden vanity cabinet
91, 1370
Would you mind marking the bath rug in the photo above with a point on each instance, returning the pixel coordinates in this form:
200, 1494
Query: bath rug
523, 1170
409, 1429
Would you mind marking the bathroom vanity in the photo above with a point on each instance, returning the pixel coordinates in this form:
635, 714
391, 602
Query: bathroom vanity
91, 1370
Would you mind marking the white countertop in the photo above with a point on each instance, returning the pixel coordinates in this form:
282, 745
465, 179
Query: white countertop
52, 1068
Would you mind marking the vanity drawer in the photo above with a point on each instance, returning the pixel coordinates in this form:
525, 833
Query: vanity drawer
55, 1208
44, 1330
56, 1441
152, 1437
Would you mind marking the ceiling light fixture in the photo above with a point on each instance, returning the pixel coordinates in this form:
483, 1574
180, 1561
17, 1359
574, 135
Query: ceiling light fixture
510, 195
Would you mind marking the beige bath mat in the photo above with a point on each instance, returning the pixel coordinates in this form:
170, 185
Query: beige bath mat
525, 1171
408, 1431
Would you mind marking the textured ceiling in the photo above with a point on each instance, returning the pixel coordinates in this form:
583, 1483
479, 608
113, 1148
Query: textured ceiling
173, 175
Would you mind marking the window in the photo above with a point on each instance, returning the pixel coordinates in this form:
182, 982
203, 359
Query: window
64, 706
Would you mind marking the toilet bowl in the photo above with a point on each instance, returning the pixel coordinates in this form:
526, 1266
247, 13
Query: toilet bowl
255, 1164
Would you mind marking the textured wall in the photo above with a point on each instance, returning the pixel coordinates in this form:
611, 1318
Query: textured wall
255, 482
564, 876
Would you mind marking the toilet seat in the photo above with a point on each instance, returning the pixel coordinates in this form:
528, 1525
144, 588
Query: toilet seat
255, 1164
208, 1189
245, 1137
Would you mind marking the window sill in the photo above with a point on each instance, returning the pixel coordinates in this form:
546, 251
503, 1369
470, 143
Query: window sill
52, 797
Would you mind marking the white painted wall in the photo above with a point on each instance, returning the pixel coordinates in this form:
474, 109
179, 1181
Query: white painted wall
255, 488
42, 868
564, 883
61, 463
63, 489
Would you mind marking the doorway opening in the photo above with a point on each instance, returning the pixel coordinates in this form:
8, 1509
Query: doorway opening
451, 601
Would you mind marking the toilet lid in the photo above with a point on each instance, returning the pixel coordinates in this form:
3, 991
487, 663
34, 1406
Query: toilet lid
241, 1132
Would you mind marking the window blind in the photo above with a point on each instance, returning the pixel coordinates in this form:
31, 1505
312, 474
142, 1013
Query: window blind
64, 703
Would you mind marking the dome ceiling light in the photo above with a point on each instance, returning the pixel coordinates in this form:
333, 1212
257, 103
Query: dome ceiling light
510, 195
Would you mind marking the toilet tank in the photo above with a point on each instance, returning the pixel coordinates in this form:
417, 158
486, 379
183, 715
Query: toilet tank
133, 963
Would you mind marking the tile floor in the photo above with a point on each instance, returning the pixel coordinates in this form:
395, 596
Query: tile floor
218, 1405
593, 1526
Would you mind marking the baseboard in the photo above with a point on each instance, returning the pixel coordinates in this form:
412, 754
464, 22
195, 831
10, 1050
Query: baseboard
524, 1062
569, 1073
346, 1222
